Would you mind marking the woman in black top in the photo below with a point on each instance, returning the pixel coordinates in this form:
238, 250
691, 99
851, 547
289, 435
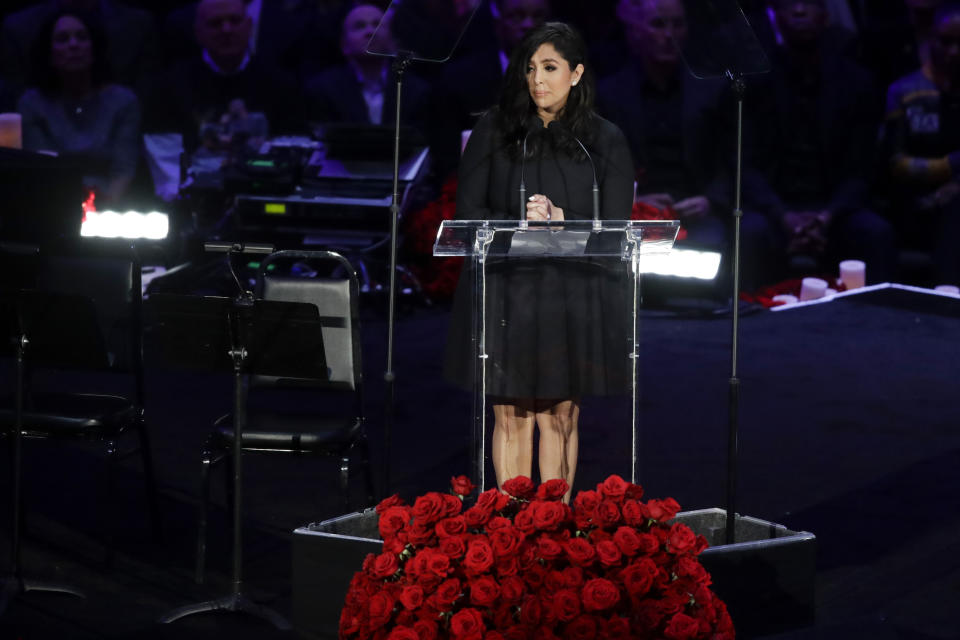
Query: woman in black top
552, 331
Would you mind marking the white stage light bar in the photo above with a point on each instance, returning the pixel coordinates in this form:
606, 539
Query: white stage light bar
131, 225
682, 263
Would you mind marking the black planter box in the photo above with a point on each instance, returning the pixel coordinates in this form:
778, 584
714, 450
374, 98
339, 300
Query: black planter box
766, 577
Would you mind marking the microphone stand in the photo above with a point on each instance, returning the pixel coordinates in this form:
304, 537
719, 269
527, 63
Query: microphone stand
400, 65
738, 86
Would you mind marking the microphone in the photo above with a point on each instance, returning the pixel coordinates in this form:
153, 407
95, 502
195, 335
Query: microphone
532, 125
558, 127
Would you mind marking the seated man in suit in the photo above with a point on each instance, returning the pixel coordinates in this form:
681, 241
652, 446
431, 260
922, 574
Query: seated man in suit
808, 162
223, 82
673, 122
363, 89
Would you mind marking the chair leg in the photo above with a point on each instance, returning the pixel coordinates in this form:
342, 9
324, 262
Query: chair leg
150, 480
206, 461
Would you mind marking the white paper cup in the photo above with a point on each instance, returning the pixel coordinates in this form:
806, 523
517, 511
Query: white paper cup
830, 292
853, 274
812, 288
11, 130
785, 298
947, 288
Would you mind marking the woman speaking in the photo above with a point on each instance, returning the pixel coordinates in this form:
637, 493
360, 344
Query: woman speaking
553, 332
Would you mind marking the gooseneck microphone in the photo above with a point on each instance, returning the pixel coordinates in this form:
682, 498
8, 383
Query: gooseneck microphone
532, 125
557, 126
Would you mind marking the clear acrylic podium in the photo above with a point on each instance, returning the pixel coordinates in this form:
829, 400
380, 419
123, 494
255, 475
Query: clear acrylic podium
559, 299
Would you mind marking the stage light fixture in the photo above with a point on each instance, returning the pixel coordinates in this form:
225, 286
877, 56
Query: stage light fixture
682, 263
131, 224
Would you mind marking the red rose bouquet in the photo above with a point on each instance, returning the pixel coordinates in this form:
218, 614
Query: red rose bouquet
522, 565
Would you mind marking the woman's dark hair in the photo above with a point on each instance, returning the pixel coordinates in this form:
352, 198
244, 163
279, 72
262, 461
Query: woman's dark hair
517, 107
44, 76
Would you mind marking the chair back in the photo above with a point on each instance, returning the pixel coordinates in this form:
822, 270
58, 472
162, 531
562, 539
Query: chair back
330, 283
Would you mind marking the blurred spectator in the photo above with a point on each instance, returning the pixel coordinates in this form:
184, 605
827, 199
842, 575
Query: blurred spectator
805, 183
223, 80
471, 85
894, 35
673, 122
921, 137
278, 32
131, 52
74, 111
363, 89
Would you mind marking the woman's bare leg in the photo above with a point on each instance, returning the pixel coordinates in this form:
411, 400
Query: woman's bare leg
512, 441
559, 440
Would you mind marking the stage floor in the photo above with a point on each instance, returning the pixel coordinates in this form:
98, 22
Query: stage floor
850, 429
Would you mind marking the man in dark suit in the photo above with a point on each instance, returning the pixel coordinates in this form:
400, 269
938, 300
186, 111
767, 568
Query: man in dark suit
809, 156
363, 89
674, 123
222, 78
471, 85
132, 48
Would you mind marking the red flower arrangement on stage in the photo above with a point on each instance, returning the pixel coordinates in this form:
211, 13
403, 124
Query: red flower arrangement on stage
522, 565
644, 211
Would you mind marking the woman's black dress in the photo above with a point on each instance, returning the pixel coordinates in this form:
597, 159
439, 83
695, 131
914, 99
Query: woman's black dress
556, 328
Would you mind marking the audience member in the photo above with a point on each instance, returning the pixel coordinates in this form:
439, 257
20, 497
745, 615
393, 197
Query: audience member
894, 36
674, 123
132, 51
223, 80
74, 110
278, 32
921, 137
363, 89
805, 184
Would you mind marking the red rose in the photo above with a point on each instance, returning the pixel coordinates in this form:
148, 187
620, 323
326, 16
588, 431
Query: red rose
580, 552
547, 515
508, 566
461, 485
498, 522
429, 508
420, 533
493, 635
446, 594
484, 591
548, 548
379, 609
436, 563
467, 623
395, 545
386, 503
681, 627
524, 521
534, 576
489, 499
682, 538
476, 516
403, 633
583, 627
385, 565
452, 505
648, 613
452, 547
634, 492
649, 543
553, 489
506, 541
638, 577
663, 510
688, 566
607, 514
520, 487
573, 577
393, 519
349, 622
613, 488
531, 611
600, 594
451, 526
512, 589
566, 604
618, 629
634, 514
411, 597
609, 553
627, 540
426, 629
517, 632
479, 557
585, 504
